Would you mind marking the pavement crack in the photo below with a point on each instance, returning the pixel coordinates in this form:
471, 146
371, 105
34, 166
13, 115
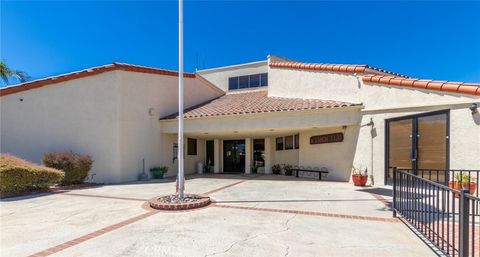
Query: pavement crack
287, 251
255, 236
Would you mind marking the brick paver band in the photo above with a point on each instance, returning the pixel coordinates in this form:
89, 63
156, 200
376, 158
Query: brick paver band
94, 234
311, 213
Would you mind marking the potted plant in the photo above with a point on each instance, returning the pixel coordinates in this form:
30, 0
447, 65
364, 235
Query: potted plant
288, 169
254, 169
359, 177
276, 169
463, 180
159, 172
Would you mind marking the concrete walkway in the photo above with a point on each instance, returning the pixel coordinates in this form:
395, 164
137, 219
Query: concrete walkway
252, 216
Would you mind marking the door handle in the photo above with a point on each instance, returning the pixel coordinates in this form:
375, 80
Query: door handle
414, 155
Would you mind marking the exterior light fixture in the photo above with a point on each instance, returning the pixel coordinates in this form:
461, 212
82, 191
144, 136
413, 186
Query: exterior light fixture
474, 108
151, 111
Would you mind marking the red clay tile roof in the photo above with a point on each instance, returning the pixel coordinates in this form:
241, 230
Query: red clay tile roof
454, 87
344, 68
85, 73
256, 102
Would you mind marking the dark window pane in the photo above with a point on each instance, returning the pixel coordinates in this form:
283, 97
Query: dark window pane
297, 141
243, 82
259, 152
192, 146
288, 142
279, 143
264, 79
255, 80
233, 83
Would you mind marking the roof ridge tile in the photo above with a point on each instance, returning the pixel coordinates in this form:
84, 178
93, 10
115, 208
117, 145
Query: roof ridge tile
437, 85
86, 73
342, 68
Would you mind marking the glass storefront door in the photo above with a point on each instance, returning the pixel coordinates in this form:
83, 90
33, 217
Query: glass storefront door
418, 142
234, 156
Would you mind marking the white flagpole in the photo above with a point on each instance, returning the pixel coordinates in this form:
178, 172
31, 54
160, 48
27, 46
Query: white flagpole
180, 101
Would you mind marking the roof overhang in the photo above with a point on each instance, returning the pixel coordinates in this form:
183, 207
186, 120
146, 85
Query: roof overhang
259, 123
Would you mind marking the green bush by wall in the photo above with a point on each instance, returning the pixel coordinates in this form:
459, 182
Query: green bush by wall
18, 176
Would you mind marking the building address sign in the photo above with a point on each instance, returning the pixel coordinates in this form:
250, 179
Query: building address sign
328, 138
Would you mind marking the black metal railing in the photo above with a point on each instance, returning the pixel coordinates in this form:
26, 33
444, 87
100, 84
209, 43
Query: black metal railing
446, 215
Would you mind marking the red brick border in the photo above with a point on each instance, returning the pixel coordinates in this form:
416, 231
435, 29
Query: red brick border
106, 197
224, 187
202, 202
311, 213
94, 234
231, 185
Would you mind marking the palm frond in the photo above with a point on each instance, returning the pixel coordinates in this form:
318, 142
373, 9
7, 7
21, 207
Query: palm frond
20, 75
4, 71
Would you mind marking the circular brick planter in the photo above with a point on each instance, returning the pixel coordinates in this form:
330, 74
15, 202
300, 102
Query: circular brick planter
198, 202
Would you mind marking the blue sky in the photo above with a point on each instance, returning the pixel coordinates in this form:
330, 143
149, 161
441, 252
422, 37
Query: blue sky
436, 40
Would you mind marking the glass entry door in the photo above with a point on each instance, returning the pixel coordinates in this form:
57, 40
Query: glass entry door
234, 156
400, 145
418, 142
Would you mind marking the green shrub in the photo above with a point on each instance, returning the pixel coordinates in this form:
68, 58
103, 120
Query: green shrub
276, 169
288, 169
75, 166
159, 172
18, 176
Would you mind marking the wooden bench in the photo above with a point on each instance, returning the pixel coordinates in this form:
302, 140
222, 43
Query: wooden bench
320, 172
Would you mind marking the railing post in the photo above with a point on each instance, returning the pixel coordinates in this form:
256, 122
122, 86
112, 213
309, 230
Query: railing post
394, 193
464, 220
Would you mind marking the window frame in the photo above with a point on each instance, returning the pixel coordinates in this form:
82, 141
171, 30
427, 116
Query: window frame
262, 79
277, 144
289, 147
229, 84
192, 150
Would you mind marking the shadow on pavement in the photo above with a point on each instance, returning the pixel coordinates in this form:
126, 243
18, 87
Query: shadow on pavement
377, 190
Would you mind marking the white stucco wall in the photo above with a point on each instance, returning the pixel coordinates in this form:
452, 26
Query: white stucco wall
464, 139
219, 76
140, 133
166, 157
285, 156
382, 102
105, 116
81, 115
262, 123
350, 88
313, 85
336, 157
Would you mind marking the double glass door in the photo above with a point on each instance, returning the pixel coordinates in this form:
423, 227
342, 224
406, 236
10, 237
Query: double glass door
234, 156
420, 143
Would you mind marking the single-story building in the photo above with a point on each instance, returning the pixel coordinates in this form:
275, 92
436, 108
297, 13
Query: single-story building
245, 118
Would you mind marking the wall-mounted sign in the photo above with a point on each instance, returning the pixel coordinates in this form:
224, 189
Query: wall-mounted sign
329, 138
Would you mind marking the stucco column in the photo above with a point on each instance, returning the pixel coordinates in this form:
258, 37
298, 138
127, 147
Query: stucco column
248, 155
216, 156
268, 155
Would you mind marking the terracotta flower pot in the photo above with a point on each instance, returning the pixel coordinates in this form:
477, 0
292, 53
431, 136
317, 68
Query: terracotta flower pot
359, 179
456, 185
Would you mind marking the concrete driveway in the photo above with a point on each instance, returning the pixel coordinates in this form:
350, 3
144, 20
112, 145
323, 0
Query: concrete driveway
252, 216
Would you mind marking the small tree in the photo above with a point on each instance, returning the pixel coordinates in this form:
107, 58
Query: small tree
75, 166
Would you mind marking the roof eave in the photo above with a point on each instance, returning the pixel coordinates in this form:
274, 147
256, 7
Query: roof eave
344, 108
